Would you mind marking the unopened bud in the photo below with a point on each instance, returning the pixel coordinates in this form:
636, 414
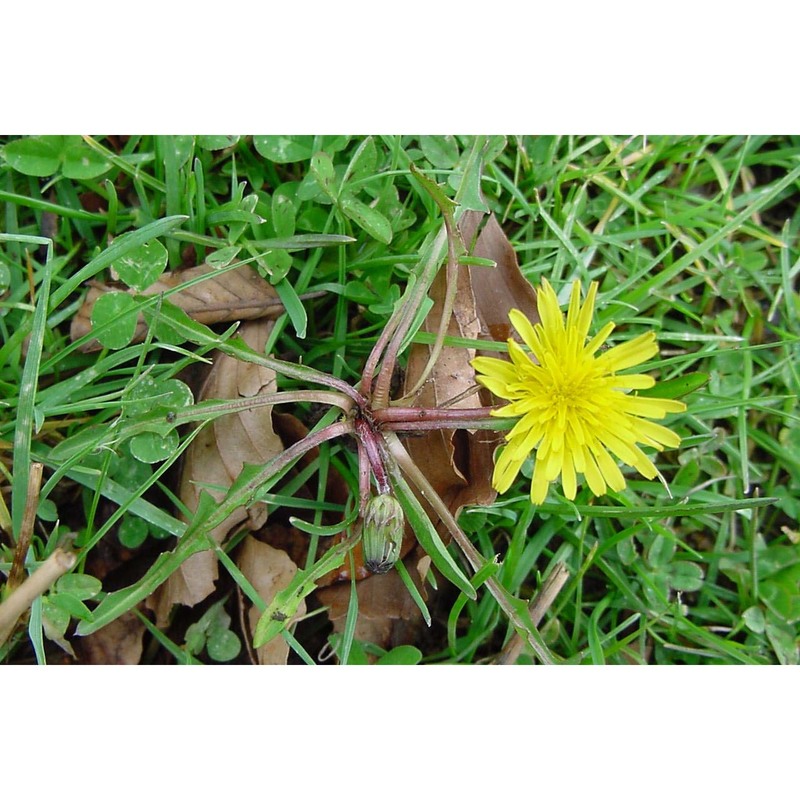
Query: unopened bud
382, 534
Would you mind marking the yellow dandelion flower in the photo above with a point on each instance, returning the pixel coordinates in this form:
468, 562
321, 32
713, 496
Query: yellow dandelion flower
575, 410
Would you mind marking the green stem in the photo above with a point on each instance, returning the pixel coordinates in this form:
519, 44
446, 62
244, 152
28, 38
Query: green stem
296, 371
454, 424
205, 411
239, 349
514, 609
211, 409
394, 334
196, 538
421, 418
455, 249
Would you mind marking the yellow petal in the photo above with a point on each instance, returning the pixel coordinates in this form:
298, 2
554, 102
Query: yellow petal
524, 328
552, 464
632, 382
599, 338
593, 475
585, 318
539, 486
656, 435
549, 312
506, 469
574, 308
629, 354
568, 482
495, 368
654, 407
520, 358
609, 470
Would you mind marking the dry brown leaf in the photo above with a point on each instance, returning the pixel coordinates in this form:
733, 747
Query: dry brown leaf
387, 614
502, 288
216, 457
269, 570
238, 294
119, 642
457, 463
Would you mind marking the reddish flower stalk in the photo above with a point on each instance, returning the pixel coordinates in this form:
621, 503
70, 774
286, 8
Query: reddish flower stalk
421, 418
370, 439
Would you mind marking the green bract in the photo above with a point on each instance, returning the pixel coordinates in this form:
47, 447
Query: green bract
382, 534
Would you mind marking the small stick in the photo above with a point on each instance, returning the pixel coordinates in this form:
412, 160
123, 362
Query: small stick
17, 603
544, 599
15, 577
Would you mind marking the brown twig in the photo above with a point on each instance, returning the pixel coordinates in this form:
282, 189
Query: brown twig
553, 584
15, 577
19, 601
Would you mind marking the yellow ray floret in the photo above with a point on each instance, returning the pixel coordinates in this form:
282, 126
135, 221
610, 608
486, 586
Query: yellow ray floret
574, 410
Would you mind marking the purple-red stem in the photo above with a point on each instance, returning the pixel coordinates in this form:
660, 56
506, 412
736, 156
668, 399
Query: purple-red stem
396, 416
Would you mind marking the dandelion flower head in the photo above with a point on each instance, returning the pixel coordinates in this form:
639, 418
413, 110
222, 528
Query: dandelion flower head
575, 409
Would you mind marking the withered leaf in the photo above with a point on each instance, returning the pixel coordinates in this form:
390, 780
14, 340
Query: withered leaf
457, 463
237, 294
215, 458
269, 570
497, 290
387, 614
119, 642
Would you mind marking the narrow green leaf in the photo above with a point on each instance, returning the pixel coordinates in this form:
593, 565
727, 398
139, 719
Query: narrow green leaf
304, 241
70, 604
294, 307
23, 429
121, 247
369, 219
363, 162
286, 602
661, 511
284, 213
677, 387
325, 530
593, 633
468, 193
323, 170
446, 204
413, 591
404, 655
117, 603
429, 538
222, 257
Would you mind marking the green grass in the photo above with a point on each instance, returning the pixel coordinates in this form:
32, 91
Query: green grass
693, 237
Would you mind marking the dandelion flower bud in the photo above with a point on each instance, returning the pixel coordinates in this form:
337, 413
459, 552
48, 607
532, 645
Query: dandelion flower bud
382, 534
